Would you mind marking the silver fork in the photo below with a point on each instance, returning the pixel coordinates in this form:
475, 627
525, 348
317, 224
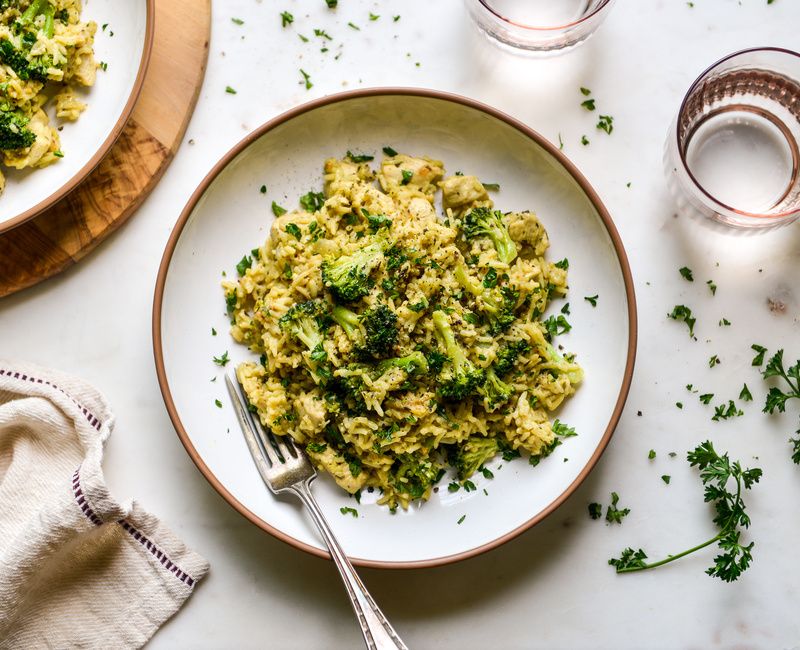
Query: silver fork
285, 468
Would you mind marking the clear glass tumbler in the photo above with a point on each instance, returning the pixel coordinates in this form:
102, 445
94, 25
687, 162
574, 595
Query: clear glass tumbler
733, 152
538, 27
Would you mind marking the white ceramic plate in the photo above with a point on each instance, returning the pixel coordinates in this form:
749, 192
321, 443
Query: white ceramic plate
228, 216
125, 46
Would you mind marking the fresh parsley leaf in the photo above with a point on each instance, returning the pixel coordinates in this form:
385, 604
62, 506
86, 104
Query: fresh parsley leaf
745, 394
760, 351
584, 140
222, 360
237, 21
588, 104
706, 397
555, 325
592, 300
682, 312
244, 264
686, 273
605, 123
229, 90
312, 201
666, 478
585, 91
218, 403
562, 264
595, 510
713, 361
286, 18
615, 515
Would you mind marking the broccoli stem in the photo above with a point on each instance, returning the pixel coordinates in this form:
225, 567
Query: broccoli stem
466, 282
348, 321
448, 338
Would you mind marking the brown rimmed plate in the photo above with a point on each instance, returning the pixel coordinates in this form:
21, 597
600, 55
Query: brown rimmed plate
228, 215
124, 47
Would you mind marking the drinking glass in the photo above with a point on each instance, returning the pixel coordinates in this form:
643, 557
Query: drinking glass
733, 152
538, 27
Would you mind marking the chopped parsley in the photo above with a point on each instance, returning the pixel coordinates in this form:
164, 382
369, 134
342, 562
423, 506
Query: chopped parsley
585, 91
592, 300
237, 21
373, 17
595, 510
461, 521
222, 360
588, 104
294, 230
244, 264
389, 152
682, 312
277, 210
706, 397
666, 478
724, 322
348, 511
712, 287
724, 412
230, 90
651, 454
713, 361
562, 264
407, 176
354, 26
686, 273
605, 123
359, 157
286, 18
263, 189
615, 515
745, 394
312, 201
306, 79
584, 140
760, 351
218, 403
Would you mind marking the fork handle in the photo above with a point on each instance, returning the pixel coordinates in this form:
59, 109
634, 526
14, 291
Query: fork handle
378, 633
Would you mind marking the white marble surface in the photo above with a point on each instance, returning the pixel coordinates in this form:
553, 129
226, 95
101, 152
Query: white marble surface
550, 588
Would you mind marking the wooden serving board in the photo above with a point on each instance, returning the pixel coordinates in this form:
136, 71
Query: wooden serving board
61, 236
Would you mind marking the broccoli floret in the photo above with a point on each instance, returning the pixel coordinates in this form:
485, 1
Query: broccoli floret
483, 222
415, 476
471, 454
347, 277
561, 365
494, 391
436, 361
380, 329
414, 363
304, 322
374, 333
16, 53
508, 354
460, 378
498, 303
14, 133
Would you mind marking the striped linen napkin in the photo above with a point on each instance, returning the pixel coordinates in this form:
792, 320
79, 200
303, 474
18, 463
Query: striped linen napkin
77, 568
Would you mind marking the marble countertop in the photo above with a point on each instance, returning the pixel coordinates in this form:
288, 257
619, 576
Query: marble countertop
551, 587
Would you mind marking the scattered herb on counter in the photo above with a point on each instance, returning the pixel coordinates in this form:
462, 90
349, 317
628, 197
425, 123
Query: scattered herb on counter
686, 273
373, 17
595, 510
585, 91
724, 322
331, 3
353, 26
218, 403
713, 361
613, 514
588, 104
716, 473
666, 478
213, 332
592, 300
306, 79
263, 189
679, 404
222, 360
584, 140
777, 398
461, 521
706, 397
277, 210
651, 454
760, 351
323, 34
606, 123
683, 313
348, 511
745, 394
237, 21
230, 90
726, 411
712, 287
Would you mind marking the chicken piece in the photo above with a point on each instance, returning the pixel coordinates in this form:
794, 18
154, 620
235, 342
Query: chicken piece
462, 193
404, 175
313, 416
339, 468
525, 229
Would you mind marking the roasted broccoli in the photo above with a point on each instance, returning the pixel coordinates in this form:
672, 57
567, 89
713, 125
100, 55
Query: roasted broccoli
414, 476
304, 322
373, 333
508, 354
15, 51
471, 454
460, 378
347, 277
14, 133
499, 304
561, 365
483, 222
495, 392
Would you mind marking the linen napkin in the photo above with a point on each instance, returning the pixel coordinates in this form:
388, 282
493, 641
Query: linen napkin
77, 568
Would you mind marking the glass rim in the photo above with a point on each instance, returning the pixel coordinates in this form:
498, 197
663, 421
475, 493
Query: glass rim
603, 5
682, 154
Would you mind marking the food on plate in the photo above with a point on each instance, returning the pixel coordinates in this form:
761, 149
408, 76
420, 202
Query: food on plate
46, 51
394, 341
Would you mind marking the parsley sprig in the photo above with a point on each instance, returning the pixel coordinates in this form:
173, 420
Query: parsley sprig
717, 472
777, 397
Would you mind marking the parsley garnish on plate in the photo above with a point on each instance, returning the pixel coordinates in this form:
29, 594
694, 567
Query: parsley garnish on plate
686, 273
294, 230
244, 264
373, 17
592, 300
359, 157
277, 210
713, 361
584, 140
717, 473
585, 91
760, 351
286, 18
218, 403
237, 21
407, 176
389, 152
349, 511
588, 104
605, 123
595, 510
651, 454
745, 395
306, 79
222, 360
229, 90
461, 521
